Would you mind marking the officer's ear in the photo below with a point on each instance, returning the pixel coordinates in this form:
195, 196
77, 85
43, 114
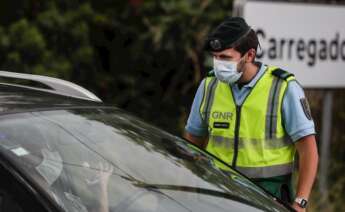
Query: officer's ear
251, 54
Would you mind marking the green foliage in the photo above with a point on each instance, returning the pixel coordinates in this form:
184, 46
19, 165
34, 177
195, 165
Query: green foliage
144, 56
54, 42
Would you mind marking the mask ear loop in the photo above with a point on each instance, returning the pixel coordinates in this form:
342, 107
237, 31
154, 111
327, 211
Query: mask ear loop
242, 62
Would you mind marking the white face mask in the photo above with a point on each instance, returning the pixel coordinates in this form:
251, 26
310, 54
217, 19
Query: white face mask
226, 71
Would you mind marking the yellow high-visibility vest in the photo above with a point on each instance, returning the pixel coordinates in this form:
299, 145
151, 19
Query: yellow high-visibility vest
249, 137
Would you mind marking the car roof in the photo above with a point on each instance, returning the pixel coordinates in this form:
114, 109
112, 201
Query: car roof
16, 99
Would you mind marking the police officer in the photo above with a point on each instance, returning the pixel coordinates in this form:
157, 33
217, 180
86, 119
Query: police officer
253, 116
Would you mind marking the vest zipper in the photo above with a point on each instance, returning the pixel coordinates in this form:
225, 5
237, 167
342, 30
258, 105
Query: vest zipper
237, 131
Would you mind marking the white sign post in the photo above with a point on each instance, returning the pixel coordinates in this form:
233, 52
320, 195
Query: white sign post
307, 40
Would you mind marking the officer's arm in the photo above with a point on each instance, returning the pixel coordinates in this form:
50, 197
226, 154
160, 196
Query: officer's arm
308, 161
196, 128
200, 141
300, 127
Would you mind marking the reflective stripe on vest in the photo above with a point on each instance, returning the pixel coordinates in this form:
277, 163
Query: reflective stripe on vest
266, 171
251, 136
208, 98
274, 143
272, 108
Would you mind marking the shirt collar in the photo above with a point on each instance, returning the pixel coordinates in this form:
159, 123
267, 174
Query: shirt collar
258, 75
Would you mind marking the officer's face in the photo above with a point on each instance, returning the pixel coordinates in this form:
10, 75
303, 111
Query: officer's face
232, 55
235, 56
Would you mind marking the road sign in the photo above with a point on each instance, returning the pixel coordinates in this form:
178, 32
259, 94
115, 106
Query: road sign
306, 39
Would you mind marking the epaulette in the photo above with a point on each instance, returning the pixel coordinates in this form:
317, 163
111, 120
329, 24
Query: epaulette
210, 74
282, 74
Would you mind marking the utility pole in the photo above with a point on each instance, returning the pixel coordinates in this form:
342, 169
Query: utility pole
326, 131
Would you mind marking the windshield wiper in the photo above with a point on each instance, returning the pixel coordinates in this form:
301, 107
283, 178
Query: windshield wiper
198, 190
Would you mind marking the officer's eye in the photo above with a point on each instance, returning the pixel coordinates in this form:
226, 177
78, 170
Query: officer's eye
225, 57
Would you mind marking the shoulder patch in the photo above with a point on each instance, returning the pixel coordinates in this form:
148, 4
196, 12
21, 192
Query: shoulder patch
282, 73
210, 74
306, 108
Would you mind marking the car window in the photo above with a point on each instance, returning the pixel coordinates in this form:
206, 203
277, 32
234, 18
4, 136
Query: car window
107, 160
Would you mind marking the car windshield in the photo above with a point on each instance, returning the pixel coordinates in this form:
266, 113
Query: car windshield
107, 160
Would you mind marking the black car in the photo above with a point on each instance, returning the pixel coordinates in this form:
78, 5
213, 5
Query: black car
62, 149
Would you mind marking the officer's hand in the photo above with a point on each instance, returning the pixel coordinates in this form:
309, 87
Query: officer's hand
297, 207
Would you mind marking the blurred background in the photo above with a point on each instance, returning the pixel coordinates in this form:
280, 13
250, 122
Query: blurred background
145, 57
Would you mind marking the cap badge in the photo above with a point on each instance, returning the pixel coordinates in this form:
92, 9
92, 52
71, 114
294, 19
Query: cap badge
215, 44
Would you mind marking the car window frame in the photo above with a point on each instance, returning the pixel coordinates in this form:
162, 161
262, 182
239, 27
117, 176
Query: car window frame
40, 195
